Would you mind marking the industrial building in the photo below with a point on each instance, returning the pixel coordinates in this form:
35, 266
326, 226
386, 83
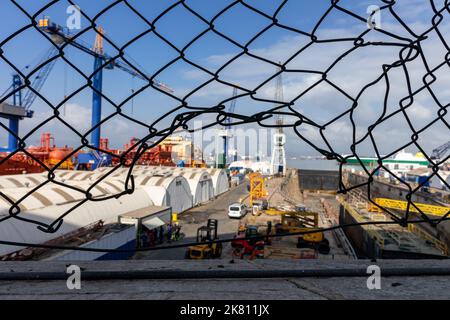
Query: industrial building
122, 235
48, 204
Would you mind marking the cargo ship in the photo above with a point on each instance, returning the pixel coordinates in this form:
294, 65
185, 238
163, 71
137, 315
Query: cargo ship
48, 153
402, 161
18, 164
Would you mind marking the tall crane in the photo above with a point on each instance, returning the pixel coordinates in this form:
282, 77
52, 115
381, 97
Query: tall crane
22, 101
278, 162
62, 36
225, 133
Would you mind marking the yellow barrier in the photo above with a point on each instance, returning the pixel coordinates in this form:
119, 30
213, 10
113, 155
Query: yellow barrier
438, 211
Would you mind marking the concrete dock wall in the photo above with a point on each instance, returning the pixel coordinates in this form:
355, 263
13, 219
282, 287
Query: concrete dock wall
318, 180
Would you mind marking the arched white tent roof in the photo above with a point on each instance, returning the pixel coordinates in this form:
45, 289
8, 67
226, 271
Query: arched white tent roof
88, 213
21, 181
218, 176
201, 186
42, 198
50, 195
178, 196
220, 181
172, 190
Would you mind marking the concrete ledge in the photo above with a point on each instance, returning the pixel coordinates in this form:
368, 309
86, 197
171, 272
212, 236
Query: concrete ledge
190, 268
201, 280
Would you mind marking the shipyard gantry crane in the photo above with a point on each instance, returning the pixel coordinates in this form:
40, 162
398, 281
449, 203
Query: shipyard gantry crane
22, 101
61, 36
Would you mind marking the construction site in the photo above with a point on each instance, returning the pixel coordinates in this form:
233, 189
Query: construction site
250, 163
198, 201
176, 189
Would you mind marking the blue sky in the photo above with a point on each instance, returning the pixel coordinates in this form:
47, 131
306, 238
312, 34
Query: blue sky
179, 27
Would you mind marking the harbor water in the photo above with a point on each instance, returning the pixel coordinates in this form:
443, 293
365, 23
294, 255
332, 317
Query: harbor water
313, 164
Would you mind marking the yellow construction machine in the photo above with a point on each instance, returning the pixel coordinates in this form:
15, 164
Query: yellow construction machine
258, 192
211, 250
297, 222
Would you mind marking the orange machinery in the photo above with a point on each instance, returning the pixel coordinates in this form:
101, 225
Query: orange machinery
156, 156
51, 155
47, 153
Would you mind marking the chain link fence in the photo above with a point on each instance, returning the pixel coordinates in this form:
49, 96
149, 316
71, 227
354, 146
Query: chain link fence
408, 65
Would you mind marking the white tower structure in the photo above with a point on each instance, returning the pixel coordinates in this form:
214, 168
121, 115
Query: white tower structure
278, 163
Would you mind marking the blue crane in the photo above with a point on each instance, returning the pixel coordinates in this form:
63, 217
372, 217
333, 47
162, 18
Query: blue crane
21, 107
62, 36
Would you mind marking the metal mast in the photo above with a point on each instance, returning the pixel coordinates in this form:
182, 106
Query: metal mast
278, 162
97, 84
226, 134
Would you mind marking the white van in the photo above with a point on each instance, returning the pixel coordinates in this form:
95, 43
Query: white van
237, 210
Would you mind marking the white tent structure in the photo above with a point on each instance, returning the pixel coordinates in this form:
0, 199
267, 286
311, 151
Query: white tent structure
172, 191
218, 176
22, 181
164, 190
220, 181
52, 195
46, 212
179, 188
201, 186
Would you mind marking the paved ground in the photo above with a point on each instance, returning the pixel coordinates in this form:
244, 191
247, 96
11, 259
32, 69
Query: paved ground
196, 217
282, 248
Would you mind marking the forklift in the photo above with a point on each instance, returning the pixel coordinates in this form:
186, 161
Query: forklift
212, 250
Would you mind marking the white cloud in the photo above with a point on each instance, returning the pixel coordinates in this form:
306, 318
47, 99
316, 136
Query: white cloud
351, 74
79, 118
